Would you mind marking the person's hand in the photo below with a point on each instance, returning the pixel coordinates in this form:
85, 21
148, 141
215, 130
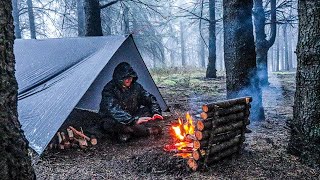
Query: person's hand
143, 120
157, 116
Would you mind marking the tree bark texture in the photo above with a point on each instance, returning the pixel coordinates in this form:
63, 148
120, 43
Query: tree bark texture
31, 20
305, 126
262, 44
211, 69
240, 56
93, 19
14, 160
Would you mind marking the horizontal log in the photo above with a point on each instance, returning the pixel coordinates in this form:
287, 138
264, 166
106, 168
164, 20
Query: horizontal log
231, 127
222, 154
204, 125
193, 164
231, 102
216, 139
196, 164
202, 134
233, 109
216, 115
216, 148
209, 107
231, 118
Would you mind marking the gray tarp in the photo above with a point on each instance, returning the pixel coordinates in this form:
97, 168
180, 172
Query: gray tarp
57, 75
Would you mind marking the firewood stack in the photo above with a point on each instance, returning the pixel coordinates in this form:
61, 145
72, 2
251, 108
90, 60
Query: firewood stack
72, 138
221, 132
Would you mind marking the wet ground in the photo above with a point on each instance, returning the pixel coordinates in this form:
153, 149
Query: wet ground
264, 155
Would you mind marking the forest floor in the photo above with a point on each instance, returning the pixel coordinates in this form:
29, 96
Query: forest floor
264, 155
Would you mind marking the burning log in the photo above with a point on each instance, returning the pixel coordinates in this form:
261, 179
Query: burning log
226, 104
216, 139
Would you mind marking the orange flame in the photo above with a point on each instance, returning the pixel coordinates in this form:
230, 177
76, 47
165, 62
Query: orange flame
183, 129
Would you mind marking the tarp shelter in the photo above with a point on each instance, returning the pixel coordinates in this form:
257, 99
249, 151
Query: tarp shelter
57, 75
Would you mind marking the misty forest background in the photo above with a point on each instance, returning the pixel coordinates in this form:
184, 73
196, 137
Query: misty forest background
195, 49
169, 33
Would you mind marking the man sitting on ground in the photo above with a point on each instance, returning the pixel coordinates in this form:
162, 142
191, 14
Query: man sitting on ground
126, 107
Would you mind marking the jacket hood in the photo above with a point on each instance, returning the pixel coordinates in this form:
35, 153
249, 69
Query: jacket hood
123, 71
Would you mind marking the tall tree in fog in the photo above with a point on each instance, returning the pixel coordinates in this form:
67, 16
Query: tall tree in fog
305, 126
93, 19
15, 13
31, 20
240, 56
14, 160
81, 18
211, 69
262, 44
182, 45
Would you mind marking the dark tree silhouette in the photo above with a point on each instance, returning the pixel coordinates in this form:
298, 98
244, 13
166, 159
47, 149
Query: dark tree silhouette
240, 56
14, 160
305, 126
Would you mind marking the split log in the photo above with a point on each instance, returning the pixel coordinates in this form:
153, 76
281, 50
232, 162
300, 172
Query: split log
82, 142
93, 140
216, 139
65, 141
60, 145
226, 103
79, 133
70, 134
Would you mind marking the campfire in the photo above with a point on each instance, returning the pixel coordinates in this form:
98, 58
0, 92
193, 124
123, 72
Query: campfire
183, 135
219, 134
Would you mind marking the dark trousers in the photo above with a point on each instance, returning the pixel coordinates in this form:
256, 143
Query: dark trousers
114, 128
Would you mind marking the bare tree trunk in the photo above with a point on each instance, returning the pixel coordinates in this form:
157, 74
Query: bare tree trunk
17, 30
81, 18
262, 44
240, 56
183, 49
211, 69
93, 19
285, 41
14, 160
126, 20
201, 52
31, 20
290, 48
277, 60
305, 126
